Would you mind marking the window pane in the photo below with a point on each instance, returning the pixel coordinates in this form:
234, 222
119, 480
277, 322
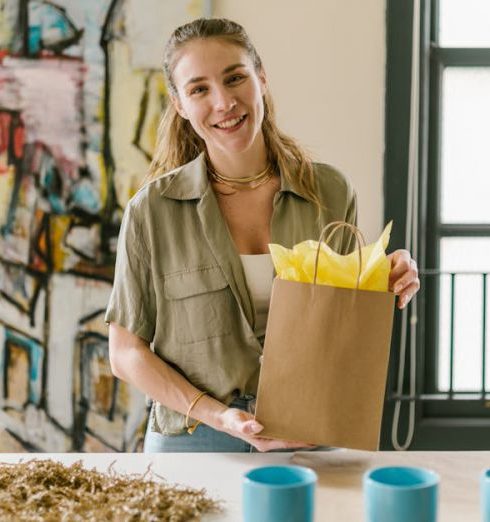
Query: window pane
464, 23
465, 151
464, 254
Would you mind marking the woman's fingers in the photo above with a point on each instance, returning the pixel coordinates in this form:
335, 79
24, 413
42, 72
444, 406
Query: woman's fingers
400, 264
250, 427
262, 444
407, 278
236, 420
239, 422
242, 424
403, 270
404, 277
406, 295
407, 286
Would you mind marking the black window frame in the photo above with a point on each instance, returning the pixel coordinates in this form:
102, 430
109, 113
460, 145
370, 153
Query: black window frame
442, 421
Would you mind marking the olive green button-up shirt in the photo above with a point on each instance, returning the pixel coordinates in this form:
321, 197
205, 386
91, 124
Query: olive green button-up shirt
179, 282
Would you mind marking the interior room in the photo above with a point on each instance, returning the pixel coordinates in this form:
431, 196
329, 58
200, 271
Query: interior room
389, 101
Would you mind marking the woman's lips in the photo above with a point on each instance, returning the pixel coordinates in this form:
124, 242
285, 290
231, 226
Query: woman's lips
234, 127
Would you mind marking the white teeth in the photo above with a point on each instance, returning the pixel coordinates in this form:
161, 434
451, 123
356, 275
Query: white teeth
230, 123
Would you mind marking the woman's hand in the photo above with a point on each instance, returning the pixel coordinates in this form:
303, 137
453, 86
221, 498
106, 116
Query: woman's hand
404, 276
241, 424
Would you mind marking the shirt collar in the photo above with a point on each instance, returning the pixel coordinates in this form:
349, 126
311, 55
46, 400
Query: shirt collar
191, 181
286, 186
187, 182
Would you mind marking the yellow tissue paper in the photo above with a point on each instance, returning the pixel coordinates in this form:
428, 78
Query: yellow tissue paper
298, 264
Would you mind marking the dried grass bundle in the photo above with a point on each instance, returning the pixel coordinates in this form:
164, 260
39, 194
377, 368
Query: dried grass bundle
45, 490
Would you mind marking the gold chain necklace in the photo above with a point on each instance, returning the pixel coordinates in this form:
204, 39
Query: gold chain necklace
246, 183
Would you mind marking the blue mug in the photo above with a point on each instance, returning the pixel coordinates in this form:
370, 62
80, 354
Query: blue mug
279, 494
485, 495
401, 494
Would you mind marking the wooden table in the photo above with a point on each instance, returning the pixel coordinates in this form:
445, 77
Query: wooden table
339, 492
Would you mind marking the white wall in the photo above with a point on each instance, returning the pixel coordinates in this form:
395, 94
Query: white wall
325, 61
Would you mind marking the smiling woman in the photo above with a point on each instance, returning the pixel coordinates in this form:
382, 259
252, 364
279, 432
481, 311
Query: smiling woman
220, 50
193, 273
224, 106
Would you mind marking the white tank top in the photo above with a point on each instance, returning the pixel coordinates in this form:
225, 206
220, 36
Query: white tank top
259, 273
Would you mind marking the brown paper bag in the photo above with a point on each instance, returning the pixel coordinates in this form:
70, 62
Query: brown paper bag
325, 363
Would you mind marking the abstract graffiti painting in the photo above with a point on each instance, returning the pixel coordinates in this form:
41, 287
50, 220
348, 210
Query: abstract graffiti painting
81, 93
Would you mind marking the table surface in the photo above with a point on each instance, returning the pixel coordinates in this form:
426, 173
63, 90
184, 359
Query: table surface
339, 491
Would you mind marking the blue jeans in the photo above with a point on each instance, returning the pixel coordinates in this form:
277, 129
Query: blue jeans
204, 439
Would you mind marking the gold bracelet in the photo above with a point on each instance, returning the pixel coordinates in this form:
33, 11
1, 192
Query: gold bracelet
191, 429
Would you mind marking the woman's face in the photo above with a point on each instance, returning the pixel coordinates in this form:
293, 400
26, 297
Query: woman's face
220, 93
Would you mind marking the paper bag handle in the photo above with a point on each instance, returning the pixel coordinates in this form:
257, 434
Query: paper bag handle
337, 225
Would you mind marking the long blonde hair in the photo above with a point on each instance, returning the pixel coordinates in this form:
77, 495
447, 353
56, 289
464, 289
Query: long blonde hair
178, 143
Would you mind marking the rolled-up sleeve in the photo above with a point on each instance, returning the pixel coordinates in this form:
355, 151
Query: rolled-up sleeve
132, 303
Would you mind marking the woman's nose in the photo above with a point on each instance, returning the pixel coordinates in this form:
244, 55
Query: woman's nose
224, 101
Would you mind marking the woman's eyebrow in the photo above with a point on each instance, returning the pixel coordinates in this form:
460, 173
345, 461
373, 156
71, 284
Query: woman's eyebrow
197, 79
225, 71
232, 67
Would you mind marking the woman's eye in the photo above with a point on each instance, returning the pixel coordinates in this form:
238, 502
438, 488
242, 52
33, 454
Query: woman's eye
235, 78
198, 90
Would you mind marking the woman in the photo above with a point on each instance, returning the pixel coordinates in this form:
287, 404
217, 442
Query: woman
193, 276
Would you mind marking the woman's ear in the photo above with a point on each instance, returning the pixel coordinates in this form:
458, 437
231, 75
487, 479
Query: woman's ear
263, 81
178, 106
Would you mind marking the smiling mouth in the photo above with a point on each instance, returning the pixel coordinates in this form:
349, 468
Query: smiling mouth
230, 124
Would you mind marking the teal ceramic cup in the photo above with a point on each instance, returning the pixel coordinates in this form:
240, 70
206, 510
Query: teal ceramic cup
485, 495
401, 494
279, 494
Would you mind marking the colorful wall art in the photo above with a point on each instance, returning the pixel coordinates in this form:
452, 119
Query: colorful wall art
80, 96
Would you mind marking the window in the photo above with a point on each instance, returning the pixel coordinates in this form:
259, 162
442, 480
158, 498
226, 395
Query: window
452, 343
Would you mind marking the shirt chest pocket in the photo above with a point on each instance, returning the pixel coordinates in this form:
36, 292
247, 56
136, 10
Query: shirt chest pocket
201, 302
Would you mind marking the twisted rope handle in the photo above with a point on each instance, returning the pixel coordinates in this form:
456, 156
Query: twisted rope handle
337, 225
